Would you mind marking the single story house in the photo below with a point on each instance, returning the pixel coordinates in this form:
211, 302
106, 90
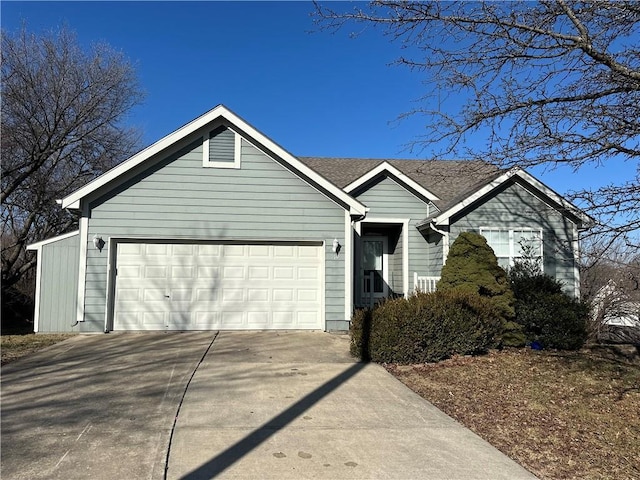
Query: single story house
216, 226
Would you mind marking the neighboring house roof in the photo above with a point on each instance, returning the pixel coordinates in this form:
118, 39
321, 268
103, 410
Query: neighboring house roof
445, 179
154, 153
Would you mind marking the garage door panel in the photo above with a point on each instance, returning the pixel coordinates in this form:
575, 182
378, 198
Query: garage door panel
155, 271
259, 251
257, 295
234, 251
259, 273
213, 286
283, 251
230, 295
283, 273
307, 295
233, 272
306, 319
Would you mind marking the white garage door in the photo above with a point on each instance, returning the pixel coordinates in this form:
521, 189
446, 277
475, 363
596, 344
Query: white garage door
221, 286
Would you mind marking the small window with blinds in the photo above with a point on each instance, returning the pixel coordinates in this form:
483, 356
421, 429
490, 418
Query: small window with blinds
221, 149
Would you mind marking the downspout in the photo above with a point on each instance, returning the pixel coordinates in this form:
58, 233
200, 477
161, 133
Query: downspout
445, 241
433, 227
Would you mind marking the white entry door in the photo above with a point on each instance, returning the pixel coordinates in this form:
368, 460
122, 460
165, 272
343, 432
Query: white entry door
218, 286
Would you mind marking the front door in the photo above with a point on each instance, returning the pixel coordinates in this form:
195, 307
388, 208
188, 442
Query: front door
374, 268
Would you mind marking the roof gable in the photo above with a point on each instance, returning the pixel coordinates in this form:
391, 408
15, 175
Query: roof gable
444, 179
540, 190
220, 113
386, 169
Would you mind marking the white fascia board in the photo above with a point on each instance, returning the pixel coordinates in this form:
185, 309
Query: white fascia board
37, 245
73, 200
394, 172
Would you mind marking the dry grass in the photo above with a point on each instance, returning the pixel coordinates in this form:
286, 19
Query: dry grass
560, 415
13, 347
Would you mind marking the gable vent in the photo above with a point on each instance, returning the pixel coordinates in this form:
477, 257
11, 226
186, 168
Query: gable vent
222, 149
221, 145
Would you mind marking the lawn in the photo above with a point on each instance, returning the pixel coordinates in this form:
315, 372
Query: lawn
13, 347
559, 414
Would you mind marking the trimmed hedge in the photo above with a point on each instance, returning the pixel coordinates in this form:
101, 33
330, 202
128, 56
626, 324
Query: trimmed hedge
426, 327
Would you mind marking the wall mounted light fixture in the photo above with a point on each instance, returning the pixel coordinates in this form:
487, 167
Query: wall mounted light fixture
336, 246
98, 242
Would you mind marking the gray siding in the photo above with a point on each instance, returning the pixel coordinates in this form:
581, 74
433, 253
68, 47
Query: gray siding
180, 199
514, 206
388, 199
59, 285
435, 258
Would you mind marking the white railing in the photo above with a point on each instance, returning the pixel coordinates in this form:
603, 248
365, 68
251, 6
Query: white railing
424, 284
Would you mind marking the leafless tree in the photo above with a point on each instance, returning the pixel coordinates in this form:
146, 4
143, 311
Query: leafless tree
610, 277
61, 126
551, 82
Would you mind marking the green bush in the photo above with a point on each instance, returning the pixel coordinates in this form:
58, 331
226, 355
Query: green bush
472, 266
513, 335
547, 315
426, 327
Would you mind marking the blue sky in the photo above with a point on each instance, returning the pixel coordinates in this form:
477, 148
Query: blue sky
315, 93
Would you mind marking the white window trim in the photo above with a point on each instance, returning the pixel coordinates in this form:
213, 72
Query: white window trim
236, 152
512, 242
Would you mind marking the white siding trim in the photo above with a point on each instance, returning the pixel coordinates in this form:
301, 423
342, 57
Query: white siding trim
82, 269
112, 247
348, 266
405, 257
36, 313
37, 245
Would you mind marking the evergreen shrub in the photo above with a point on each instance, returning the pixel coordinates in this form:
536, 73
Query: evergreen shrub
426, 327
547, 314
472, 267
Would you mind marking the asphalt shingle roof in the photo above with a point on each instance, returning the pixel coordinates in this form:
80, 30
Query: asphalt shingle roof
450, 180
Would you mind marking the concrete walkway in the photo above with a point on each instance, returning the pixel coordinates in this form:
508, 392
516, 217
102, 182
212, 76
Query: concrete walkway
95, 406
260, 405
296, 405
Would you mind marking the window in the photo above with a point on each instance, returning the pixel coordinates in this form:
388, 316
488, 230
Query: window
511, 244
221, 149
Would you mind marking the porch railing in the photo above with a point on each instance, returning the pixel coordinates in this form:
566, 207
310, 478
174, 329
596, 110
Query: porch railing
424, 284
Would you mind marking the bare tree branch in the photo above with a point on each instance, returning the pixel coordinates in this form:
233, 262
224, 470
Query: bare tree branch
552, 82
61, 125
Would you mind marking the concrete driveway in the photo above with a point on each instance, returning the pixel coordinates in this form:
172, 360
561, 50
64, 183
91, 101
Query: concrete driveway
259, 405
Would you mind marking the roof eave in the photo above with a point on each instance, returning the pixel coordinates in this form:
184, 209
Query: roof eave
73, 200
